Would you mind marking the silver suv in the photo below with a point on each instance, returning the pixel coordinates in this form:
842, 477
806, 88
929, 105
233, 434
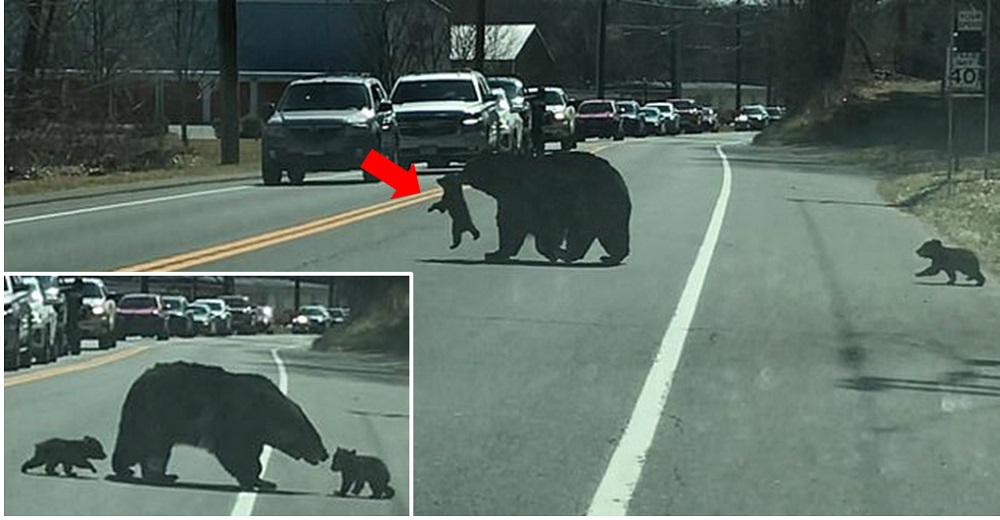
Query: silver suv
444, 117
327, 123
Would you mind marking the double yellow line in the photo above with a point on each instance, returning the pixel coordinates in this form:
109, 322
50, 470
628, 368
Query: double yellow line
246, 245
74, 367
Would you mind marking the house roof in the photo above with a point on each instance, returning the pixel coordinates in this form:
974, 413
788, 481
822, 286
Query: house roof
503, 41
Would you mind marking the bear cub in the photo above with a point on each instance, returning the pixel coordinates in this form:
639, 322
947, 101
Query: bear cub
949, 260
453, 202
356, 470
68, 453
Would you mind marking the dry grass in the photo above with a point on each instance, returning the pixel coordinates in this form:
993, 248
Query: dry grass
202, 160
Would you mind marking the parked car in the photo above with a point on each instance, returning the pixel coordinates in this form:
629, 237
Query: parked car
55, 297
311, 318
16, 324
511, 125
600, 118
560, 123
709, 119
673, 119
244, 316
205, 322
141, 314
445, 117
327, 123
633, 124
515, 91
655, 122
690, 114
775, 113
45, 326
179, 321
98, 314
751, 117
220, 318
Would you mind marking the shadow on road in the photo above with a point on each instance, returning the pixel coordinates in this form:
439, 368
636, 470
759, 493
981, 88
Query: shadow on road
517, 263
946, 284
952, 386
60, 476
222, 488
844, 202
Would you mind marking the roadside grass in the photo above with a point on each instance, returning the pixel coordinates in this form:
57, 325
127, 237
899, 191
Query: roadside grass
899, 129
200, 159
376, 332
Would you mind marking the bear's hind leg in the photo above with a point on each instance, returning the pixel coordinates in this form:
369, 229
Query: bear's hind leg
615, 241
578, 241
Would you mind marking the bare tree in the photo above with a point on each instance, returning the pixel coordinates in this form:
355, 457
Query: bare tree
501, 41
403, 37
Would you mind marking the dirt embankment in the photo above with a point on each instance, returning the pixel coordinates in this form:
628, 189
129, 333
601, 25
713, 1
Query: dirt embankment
900, 128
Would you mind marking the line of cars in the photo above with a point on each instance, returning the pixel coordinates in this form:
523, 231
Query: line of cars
757, 117
38, 328
316, 318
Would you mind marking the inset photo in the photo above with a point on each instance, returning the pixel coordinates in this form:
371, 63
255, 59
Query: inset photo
207, 395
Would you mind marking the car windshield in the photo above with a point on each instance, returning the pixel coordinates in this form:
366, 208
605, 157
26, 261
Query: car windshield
754, 111
137, 302
774, 111
553, 98
434, 90
173, 303
595, 107
628, 108
510, 87
684, 104
664, 107
237, 301
198, 309
312, 311
213, 305
650, 112
324, 96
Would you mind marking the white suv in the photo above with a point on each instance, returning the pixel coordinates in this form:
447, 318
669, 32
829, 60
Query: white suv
444, 117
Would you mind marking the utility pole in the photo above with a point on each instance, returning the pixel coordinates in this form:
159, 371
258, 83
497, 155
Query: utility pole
739, 54
230, 126
986, 91
675, 55
602, 23
480, 35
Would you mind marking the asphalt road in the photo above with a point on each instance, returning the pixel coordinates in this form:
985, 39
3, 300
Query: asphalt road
354, 401
814, 374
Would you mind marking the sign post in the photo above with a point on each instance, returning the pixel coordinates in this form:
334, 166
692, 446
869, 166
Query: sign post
986, 96
968, 71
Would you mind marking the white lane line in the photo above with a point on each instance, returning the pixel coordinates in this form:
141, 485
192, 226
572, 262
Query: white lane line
246, 499
625, 467
119, 205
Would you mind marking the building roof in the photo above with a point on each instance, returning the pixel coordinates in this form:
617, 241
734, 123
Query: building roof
504, 42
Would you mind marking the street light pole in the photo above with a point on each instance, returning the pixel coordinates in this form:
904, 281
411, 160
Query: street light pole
230, 124
602, 23
480, 35
739, 54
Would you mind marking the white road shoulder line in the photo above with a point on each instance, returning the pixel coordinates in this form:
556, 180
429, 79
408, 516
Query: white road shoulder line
246, 499
119, 205
625, 467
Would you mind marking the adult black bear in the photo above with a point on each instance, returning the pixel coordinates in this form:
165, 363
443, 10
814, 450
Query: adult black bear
355, 470
576, 197
68, 453
231, 415
949, 260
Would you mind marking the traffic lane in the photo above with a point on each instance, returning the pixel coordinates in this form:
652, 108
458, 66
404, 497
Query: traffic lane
526, 373
204, 487
359, 401
817, 377
125, 235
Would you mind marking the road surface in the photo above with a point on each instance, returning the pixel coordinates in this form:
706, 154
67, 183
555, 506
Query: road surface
765, 348
353, 401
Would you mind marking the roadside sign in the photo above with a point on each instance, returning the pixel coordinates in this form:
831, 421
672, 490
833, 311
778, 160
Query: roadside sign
965, 74
969, 20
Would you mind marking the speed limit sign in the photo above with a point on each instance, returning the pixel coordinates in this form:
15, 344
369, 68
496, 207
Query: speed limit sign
965, 72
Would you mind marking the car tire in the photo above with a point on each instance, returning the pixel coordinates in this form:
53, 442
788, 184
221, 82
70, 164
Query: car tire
297, 177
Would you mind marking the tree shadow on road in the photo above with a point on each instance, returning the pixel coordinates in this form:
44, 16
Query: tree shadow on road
844, 202
221, 488
951, 385
518, 263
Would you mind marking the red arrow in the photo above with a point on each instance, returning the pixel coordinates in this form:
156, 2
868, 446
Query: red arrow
404, 181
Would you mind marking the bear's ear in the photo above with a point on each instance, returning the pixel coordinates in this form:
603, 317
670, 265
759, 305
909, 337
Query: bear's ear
353, 452
936, 242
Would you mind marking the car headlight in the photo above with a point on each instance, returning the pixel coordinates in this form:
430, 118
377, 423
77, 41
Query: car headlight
301, 320
97, 309
559, 116
472, 120
741, 118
